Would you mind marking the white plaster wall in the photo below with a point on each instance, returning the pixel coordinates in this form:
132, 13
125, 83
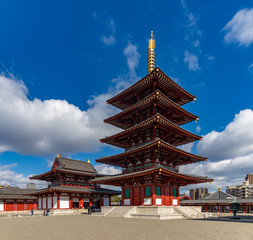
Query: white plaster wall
174, 202
64, 201
126, 202
44, 203
147, 201
39, 203
55, 202
1, 206
49, 202
158, 201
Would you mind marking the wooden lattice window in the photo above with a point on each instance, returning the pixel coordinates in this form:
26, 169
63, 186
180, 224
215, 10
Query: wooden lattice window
147, 191
158, 191
127, 193
174, 192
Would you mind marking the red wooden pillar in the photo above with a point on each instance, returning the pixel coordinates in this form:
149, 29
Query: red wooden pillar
123, 196
244, 208
58, 201
131, 196
70, 201
163, 195
218, 208
153, 194
142, 195
15, 205
206, 208
81, 202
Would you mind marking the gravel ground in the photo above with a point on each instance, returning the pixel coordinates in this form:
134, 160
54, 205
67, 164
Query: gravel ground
96, 228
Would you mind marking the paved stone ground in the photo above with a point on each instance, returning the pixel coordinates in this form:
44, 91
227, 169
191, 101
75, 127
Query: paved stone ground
102, 228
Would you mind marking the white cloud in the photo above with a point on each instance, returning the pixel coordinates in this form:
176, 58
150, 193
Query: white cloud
240, 28
9, 177
133, 56
230, 153
234, 141
110, 39
193, 33
192, 61
187, 147
106, 169
198, 129
251, 67
45, 128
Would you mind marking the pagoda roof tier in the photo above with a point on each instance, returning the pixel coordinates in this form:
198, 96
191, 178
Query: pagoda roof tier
179, 135
50, 175
175, 113
71, 189
178, 156
171, 177
130, 96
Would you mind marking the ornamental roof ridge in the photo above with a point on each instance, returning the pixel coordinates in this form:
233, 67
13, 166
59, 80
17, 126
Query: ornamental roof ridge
149, 76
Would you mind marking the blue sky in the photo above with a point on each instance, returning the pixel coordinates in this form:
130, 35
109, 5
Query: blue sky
61, 60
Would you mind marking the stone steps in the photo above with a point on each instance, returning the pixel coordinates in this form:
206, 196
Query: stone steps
189, 212
119, 211
157, 216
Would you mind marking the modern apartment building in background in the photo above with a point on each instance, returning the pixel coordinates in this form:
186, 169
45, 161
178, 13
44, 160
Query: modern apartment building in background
198, 193
245, 190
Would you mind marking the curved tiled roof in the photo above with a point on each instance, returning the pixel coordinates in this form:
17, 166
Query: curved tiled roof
162, 100
161, 79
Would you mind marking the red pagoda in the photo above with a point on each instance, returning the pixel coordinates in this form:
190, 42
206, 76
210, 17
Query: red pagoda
151, 117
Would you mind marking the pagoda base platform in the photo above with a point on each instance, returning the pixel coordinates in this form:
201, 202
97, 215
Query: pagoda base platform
152, 212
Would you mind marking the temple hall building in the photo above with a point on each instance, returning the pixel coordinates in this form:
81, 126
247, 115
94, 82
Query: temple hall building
70, 186
151, 120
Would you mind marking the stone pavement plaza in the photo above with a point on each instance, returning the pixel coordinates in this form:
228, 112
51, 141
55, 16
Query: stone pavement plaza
88, 227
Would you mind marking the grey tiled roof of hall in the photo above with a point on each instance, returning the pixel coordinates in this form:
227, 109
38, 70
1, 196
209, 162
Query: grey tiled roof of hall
157, 166
76, 165
16, 193
82, 190
217, 197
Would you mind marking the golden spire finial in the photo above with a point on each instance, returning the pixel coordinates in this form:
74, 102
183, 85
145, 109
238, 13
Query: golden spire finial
219, 189
58, 155
151, 53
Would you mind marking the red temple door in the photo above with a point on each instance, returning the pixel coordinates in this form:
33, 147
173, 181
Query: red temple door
137, 196
30, 205
20, 205
10, 206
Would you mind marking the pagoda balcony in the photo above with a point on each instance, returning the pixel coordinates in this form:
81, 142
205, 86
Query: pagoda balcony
142, 110
146, 166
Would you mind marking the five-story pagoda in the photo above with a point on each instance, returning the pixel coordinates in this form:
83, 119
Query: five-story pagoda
151, 117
